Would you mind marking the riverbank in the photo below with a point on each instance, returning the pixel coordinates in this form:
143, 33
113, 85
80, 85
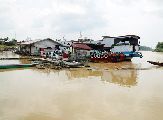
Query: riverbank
159, 50
159, 47
6, 48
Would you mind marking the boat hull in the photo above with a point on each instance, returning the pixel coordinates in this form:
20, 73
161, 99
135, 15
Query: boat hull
155, 63
10, 66
73, 64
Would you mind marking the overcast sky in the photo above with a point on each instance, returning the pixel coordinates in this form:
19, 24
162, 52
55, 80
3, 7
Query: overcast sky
94, 18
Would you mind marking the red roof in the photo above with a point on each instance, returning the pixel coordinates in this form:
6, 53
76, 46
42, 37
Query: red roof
81, 46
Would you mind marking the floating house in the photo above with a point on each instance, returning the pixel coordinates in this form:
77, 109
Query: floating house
80, 50
121, 43
128, 45
39, 46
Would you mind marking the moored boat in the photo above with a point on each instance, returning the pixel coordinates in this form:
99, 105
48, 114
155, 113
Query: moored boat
156, 63
9, 66
73, 64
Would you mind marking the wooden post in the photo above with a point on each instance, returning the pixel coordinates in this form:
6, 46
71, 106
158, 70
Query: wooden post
30, 48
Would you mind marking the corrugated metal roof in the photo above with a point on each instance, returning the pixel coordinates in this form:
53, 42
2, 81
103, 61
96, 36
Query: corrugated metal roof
28, 42
81, 46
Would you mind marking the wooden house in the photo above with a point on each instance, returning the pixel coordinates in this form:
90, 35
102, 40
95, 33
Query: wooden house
39, 46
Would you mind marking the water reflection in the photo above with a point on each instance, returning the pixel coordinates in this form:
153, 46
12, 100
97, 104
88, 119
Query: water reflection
82, 73
8, 54
110, 74
122, 77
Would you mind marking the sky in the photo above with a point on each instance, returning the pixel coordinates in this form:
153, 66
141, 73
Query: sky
56, 19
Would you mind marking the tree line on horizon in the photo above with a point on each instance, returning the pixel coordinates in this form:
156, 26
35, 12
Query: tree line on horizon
145, 48
6, 41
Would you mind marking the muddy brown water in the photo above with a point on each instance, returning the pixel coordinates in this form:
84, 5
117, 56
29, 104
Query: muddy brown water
106, 91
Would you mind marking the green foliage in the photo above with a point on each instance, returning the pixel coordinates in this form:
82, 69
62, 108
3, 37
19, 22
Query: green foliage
11, 43
159, 47
3, 40
6, 42
145, 48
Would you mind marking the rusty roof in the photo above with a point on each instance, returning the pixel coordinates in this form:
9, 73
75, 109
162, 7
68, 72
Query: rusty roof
81, 46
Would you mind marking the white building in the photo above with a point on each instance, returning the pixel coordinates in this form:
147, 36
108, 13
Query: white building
35, 47
65, 45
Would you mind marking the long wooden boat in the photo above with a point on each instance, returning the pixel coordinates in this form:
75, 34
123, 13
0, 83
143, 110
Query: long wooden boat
8, 66
156, 63
73, 64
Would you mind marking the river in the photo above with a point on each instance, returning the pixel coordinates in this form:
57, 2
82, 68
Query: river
104, 92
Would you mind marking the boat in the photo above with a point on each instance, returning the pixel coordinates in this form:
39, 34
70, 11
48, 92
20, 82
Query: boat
156, 63
73, 64
40, 66
8, 66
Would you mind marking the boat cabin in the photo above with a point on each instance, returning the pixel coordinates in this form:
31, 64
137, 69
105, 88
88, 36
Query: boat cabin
128, 43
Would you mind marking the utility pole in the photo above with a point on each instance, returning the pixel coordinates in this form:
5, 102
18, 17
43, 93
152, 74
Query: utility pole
15, 35
80, 35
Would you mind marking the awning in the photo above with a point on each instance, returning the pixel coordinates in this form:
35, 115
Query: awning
81, 46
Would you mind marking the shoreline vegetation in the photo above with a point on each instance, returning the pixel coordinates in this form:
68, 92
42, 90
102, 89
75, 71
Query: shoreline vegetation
6, 47
159, 47
7, 44
145, 48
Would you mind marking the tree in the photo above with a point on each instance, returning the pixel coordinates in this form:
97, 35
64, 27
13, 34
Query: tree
12, 42
3, 40
159, 47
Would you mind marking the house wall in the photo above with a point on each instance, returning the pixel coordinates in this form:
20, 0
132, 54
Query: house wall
82, 53
25, 48
45, 44
131, 41
124, 48
35, 49
107, 41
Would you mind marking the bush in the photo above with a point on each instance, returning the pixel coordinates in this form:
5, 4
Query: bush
159, 47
